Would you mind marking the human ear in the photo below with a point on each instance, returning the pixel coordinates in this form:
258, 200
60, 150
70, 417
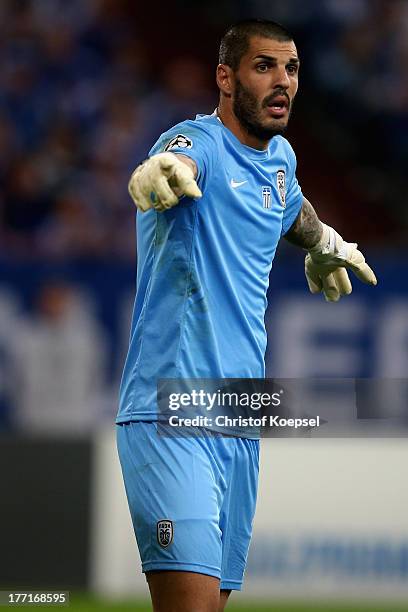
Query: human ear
224, 79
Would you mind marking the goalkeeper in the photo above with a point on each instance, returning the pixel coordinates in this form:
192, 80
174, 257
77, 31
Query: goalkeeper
216, 195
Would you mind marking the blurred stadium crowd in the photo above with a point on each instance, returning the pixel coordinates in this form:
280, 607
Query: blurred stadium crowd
87, 87
82, 101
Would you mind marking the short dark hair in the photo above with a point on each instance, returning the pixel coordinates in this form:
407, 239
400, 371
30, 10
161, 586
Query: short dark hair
235, 42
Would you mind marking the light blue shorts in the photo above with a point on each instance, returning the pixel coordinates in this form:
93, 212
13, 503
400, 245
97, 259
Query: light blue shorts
192, 499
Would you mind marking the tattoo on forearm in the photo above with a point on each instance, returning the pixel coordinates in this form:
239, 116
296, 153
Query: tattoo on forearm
307, 229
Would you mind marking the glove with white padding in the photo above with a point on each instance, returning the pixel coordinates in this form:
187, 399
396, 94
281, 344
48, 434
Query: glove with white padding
326, 266
160, 181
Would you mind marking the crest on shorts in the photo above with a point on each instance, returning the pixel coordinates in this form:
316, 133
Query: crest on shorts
281, 184
180, 141
165, 532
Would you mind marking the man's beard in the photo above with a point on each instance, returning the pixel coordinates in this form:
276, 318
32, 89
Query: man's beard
247, 110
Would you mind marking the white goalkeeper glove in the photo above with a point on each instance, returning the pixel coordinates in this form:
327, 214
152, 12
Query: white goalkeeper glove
160, 181
326, 266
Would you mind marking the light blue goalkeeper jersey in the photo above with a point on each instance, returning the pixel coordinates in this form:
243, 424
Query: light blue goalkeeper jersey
203, 266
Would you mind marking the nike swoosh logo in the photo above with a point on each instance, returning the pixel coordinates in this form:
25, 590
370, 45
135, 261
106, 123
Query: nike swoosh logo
234, 184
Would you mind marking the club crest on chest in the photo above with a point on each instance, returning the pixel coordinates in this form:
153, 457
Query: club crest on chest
281, 185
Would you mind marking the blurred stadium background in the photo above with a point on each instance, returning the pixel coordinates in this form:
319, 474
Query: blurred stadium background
86, 88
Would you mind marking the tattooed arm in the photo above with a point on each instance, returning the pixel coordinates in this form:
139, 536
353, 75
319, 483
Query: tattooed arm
329, 256
307, 230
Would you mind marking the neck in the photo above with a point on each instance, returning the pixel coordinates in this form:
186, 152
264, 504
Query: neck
226, 115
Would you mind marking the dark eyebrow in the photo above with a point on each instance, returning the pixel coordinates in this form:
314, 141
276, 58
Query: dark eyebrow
270, 58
